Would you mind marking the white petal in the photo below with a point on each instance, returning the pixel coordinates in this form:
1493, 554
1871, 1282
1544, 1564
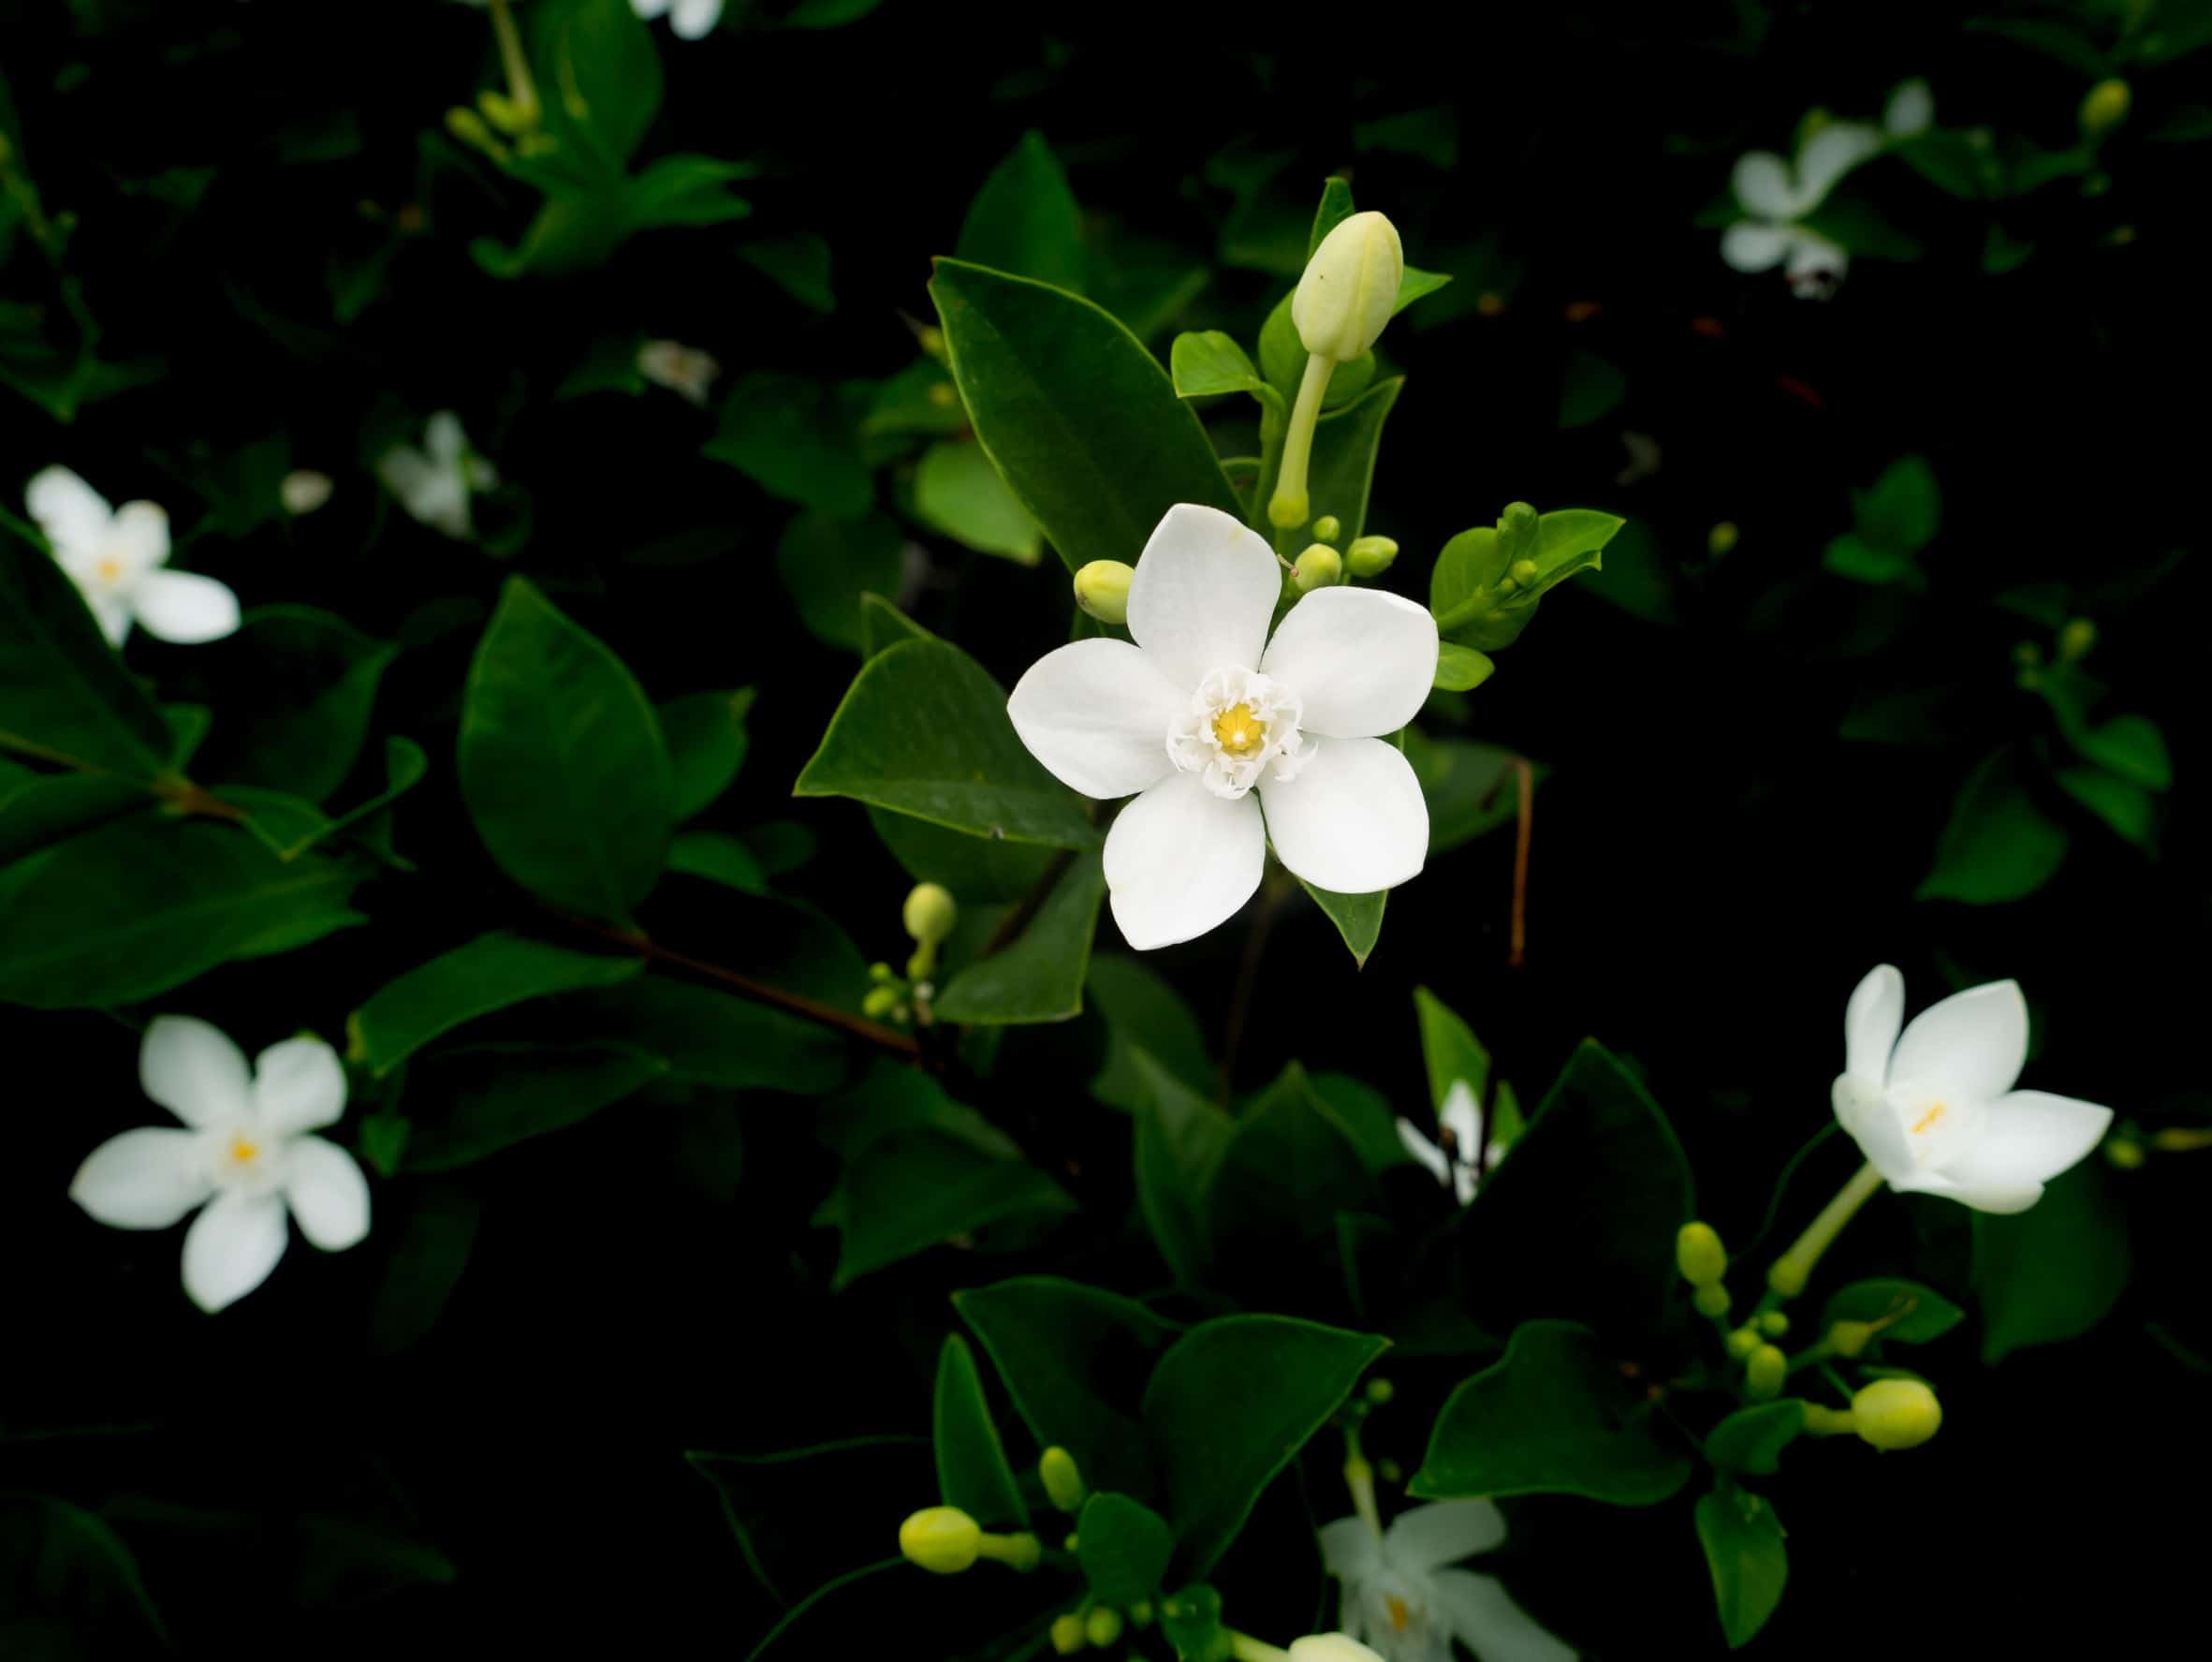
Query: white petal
1870, 1024
1490, 1624
1429, 1538
1458, 1116
299, 1085
1968, 1049
1361, 661
112, 612
1750, 246
1830, 153
2002, 1198
141, 536
1862, 1110
1340, 1647
650, 9
1814, 255
1912, 110
326, 1193
1181, 860
1095, 713
442, 439
184, 608
2029, 1138
143, 1179
74, 516
692, 20
1204, 589
1353, 820
1424, 1151
193, 1070
1350, 1550
232, 1246
1762, 185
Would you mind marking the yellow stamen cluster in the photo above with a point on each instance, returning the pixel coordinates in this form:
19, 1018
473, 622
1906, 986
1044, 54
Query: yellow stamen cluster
1240, 730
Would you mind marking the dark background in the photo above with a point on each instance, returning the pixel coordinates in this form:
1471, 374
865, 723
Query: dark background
1713, 866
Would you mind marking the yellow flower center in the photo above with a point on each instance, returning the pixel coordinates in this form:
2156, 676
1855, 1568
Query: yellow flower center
245, 1151
1401, 1615
109, 569
1240, 732
1927, 1121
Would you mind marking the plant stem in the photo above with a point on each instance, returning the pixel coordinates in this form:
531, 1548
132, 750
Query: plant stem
521, 90
1790, 1271
1288, 508
1245, 1648
1524, 779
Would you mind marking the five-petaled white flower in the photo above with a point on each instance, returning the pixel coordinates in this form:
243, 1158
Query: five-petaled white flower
115, 557
1778, 197
1452, 1162
244, 1154
1205, 708
1935, 1112
682, 369
433, 483
688, 20
1401, 1597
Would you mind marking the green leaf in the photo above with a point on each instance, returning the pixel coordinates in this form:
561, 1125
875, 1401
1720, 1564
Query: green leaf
1211, 362
828, 565
884, 625
1914, 1314
1466, 589
64, 693
488, 1097
707, 742
141, 905
972, 1469
1024, 220
1143, 1012
1181, 1140
923, 730
296, 687
40, 809
1998, 846
1078, 417
1038, 974
562, 762
423, 1265
686, 190
1585, 1207
1743, 1547
1358, 917
1904, 509
790, 436
1417, 285
1124, 1547
1449, 1049
1471, 788
1230, 1405
1750, 1440
1289, 1167
1074, 1360
979, 871
919, 399
2053, 1272
707, 1037
404, 768
957, 491
718, 858
1639, 577
1336, 208
493, 972
1552, 1417
2131, 747
1852, 556
1462, 668
598, 72
2129, 809
798, 263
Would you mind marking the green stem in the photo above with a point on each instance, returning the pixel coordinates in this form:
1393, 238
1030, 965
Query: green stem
522, 89
1289, 509
1793, 1269
1245, 1648
1359, 1477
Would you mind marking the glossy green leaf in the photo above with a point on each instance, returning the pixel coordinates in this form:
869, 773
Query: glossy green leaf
1336, 207
469, 1103
718, 858
1038, 974
798, 263
1471, 789
1998, 846
923, 730
1743, 1547
791, 436
1143, 1011
979, 871
1904, 509
599, 71
2129, 809
1079, 417
493, 972
1024, 220
562, 762
2132, 747
426, 1254
1910, 1314
1181, 1138
956, 491
883, 624
1553, 1416
1124, 1548
2053, 1272
64, 693
1449, 1049
1208, 363
40, 809
1289, 1167
296, 687
1462, 668
686, 190
1751, 1440
829, 565
1341, 470
1230, 1405
1358, 917
972, 1469
707, 744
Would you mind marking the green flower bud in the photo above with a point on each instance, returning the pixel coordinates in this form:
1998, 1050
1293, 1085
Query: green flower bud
1895, 1413
1711, 1300
880, 1002
1318, 567
1103, 1626
1699, 1255
879, 972
1741, 1343
1721, 538
2104, 107
1102, 589
1523, 574
1063, 1481
470, 128
1849, 1338
2125, 1153
1370, 556
1140, 1614
1067, 1634
1773, 1323
1765, 1373
1350, 288
2075, 640
930, 913
943, 1541
1328, 528
1380, 1391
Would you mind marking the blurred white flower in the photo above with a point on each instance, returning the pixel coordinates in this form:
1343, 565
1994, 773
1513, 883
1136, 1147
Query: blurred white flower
115, 557
689, 19
682, 369
1779, 196
245, 1155
433, 484
1912, 110
303, 490
1935, 1113
1452, 1161
1400, 1595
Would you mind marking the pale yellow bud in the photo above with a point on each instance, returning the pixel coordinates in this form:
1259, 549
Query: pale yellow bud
1102, 589
1350, 288
931, 912
1370, 556
943, 1541
1896, 1413
1063, 1481
1318, 567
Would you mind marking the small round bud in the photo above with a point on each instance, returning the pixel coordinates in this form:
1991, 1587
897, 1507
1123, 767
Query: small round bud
2104, 107
1071, 1543
1350, 288
1067, 1634
1523, 573
1895, 1413
1850, 1338
1773, 1323
1063, 1480
1102, 589
930, 339
879, 971
880, 1002
303, 490
1787, 1277
1699, 1255
1328, 528
2075, 640
1711, 1300
1370, 556
1723, 538
1331, 1647
470, 128
1318, 567
1103, 1626
2125, 1153
1765, 1373
1380, 1391
943, 1541
930, 913
1140, 1613
1741, 1343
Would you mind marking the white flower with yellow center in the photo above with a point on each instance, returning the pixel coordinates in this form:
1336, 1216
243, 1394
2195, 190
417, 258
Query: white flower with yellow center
1935, 1113
688, 20
1451, 1159
1778, 197
684, 370
434, 483
243, 1157
1207, 722
1402, 1597
115, 555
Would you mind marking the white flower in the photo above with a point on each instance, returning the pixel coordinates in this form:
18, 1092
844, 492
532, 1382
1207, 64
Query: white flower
1778, 197
303, 490
1454, 1163
1935, 1112
1912, 110
1400, 1598
244, 1154
433, 483
689, 19
680, 368
115, 557
1205, 708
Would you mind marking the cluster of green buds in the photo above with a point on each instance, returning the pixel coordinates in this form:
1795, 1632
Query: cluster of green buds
930, 916
517, 114
1320, 565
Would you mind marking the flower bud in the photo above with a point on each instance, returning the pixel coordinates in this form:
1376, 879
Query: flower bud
303, 490
1103, 1626
1699, 1255
1102, 589
1063, 1481
943, 1541
1721, 538
1765, 1373
1067, 1634
1849, 1338
1773, 1323
1896, 1413
1350, 288
1741, 1343
930, 913
2105, 107
1140, 1613
1522, 573
1331, 1647
1380, 1391
1318, 567
1370, 556
1711, 1300
2075, 640
880, 1002
2125, 1153
879, 971
1328, 528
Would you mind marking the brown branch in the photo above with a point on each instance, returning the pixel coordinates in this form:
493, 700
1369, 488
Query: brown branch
1524, 786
